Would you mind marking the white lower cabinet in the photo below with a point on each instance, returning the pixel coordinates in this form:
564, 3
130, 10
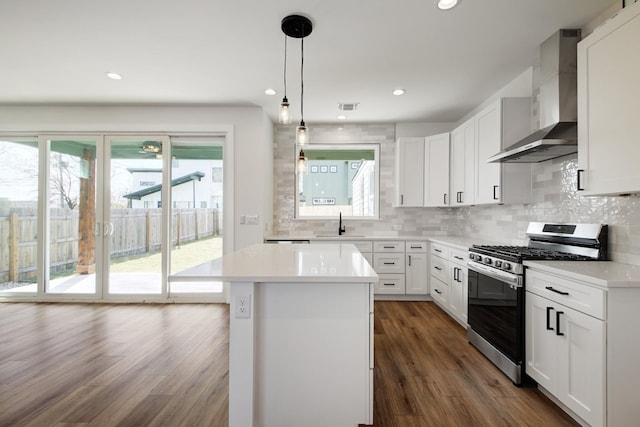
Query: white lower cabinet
449, 280
458, 292
401, 265
566, 346
565, 355
416, 270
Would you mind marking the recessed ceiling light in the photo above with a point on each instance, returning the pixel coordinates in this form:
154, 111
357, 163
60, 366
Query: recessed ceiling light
270, 92
114, 76
398, 92
446, 4
341, 117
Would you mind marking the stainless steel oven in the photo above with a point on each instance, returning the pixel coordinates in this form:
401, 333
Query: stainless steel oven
496, 286
496, 311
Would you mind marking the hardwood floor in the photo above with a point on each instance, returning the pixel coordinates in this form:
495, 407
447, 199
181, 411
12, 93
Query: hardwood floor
427, 374
167, 365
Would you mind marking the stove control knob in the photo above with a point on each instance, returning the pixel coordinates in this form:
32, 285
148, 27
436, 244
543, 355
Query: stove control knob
487, 260
472, 256
498, 263
478, 258
506, 266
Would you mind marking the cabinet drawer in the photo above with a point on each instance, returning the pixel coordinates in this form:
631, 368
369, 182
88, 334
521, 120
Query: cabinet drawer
388, 246
440, 250
579, 296
459, 256
388, 263
362, 245
416, 247
439, 269
440, 292
390, 284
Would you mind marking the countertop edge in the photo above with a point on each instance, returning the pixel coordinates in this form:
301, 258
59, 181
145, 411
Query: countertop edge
604, 274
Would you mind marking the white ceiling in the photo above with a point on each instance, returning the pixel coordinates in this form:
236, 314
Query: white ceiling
228, 52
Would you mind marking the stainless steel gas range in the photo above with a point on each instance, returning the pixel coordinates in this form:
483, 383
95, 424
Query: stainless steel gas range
496, 285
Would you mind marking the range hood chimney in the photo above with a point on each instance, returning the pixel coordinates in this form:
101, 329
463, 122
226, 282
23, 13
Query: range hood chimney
558, 109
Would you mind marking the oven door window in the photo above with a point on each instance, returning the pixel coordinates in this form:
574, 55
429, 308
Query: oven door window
496, 313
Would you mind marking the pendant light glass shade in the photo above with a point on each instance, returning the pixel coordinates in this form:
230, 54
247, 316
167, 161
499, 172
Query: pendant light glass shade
302, 134
301, 164
285, 116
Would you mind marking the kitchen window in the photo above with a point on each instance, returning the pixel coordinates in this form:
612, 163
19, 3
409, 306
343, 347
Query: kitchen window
339, 179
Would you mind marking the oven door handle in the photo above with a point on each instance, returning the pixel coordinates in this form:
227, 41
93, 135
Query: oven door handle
503, 276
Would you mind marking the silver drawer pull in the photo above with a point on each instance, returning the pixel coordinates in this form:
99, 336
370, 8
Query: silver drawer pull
389, 247
458, 257
389, 284
437, 291
438, 268
437, 250
389, 263
416, 247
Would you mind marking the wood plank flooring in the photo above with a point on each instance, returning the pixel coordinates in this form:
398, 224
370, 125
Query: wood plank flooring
167, 365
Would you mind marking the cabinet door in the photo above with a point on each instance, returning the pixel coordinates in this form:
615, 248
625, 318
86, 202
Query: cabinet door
410, 172
436, 174
463, 164
541, 345
489, 142
581, 363
416, 272
458, 293
609, 106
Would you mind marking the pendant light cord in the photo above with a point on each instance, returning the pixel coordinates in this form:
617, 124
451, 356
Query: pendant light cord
302, 77
284, 77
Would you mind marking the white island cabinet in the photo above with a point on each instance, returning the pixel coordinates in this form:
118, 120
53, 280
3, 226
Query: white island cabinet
581, 338
301, 334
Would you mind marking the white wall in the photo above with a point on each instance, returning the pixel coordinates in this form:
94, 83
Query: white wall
249, 131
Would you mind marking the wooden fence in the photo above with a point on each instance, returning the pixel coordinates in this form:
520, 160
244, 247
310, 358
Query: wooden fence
135, 232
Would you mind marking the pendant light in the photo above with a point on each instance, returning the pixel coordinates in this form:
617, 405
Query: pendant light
299, 27
301, 164
285, 116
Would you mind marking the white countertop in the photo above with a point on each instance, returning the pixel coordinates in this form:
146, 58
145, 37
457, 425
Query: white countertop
606, 274
463, 243
287, 263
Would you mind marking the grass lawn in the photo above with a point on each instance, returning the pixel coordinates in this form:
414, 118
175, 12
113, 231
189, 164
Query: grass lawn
182, 257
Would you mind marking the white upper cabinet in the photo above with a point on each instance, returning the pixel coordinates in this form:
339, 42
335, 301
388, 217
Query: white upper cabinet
463, 164
499, 125
609, 106
436, 172
410, 172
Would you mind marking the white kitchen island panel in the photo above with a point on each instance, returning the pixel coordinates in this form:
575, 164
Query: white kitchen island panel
301, 349
312, 354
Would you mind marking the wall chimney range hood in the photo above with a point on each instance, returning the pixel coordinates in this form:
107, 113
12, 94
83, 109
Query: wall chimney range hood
558, 110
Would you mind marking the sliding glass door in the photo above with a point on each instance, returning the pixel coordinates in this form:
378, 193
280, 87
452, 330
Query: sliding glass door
118, 217
19, 211
70, 210
135, 215
196, 211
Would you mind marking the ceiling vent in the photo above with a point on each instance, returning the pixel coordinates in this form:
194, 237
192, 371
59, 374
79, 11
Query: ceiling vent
348, 107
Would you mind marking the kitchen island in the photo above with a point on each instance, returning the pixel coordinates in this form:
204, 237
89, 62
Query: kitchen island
301, 334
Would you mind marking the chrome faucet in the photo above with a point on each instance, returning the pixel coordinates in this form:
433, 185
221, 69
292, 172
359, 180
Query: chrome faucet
341, 228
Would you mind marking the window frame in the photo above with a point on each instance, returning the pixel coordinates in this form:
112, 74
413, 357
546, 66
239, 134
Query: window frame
339, 147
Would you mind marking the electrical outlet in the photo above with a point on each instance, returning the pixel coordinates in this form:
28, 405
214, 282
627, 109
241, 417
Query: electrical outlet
242, 306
